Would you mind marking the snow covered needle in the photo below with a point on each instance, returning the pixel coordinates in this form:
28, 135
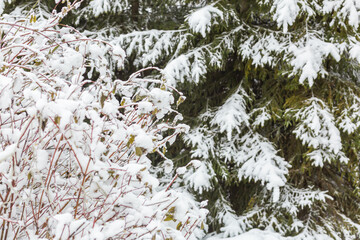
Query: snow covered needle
73, 147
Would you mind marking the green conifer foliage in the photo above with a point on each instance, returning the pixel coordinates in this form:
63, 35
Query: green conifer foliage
272, 100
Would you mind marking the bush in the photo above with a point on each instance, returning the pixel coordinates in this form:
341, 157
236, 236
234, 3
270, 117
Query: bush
75, 143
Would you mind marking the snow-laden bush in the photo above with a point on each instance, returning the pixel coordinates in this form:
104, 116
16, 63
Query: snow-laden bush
74, 143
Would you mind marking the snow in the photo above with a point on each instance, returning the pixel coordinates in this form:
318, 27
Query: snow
4, 82
232, 114
181, 170
110, 107
350, 11
253, 234
308, 58
257, 234
262, 116
168, 166
257, 159
176, 69
317, 129
285, 13
144, 107
161, 100
200, 20
7, 153
2, 6
42, 159
104, 6
200, 177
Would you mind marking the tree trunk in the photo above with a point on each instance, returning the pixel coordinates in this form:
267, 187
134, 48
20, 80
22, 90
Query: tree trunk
135, 4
